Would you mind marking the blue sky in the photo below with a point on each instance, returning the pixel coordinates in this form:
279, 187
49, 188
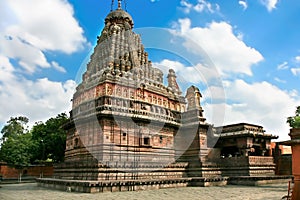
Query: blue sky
251, 53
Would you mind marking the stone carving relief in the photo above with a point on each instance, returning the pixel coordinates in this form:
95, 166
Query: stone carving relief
109, 90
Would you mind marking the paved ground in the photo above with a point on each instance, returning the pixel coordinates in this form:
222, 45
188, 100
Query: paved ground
31, 191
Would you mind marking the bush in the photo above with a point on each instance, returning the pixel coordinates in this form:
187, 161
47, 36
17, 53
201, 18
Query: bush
294, 121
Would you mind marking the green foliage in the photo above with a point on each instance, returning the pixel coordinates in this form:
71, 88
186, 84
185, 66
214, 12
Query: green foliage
44, 141
294, 121
16, 146
50, 139
15, 126
16, 150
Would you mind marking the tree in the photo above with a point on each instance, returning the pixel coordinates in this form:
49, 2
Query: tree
45, 141
15, 126
21, 147
50, 139
17, 144
294, 121
14, 136
16, 150
39, 133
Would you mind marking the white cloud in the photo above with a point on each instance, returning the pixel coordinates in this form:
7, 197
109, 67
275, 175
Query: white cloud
30, 28
58, 67
49, 25
294, 93
295, 71
260, 103
243, 4
191, 74
240, 36
38, 99
186, 6
283, 66
214, 93
297, 58
228, 53
200, 6
6, 69
28, 56
279, 80
269, 4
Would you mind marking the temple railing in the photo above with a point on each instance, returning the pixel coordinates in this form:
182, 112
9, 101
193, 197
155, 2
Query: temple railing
259, 160
129, 112
246, 161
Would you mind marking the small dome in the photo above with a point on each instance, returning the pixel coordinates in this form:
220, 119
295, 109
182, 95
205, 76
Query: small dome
119, 14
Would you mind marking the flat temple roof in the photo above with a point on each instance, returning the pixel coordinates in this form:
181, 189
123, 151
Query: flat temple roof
240, 124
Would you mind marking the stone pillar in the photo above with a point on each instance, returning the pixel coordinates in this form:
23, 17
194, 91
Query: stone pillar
295, 143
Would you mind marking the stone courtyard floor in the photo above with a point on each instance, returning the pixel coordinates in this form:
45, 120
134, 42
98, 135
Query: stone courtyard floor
31, 191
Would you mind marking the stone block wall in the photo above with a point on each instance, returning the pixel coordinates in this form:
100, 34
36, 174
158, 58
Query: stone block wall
34, 171
246, 166
284, 165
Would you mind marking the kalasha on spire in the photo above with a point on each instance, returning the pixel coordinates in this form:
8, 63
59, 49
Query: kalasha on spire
119, 5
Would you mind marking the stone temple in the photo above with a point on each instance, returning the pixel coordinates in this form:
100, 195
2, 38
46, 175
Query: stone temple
129, 131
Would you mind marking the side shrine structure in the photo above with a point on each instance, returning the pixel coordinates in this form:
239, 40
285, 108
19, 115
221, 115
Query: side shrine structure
129, 131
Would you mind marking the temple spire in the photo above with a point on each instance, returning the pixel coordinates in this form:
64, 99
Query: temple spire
119, 4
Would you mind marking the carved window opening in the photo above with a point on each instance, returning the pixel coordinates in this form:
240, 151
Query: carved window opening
107, 101
157, 110
131, 104
118, 102
124, 136
160, 139
76, 143
125, 104
230, 151
146, 141
143, 107
256, 151
90, 140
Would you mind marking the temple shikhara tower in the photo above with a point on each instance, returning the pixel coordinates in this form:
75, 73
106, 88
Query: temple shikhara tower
123, 117
129, 131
